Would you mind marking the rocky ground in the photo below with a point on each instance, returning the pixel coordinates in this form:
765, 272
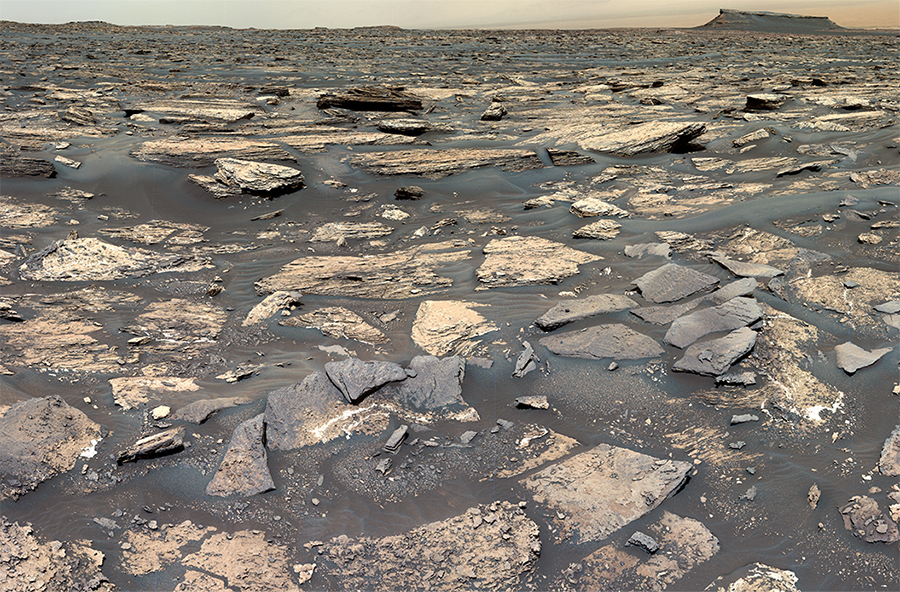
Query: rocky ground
374, 308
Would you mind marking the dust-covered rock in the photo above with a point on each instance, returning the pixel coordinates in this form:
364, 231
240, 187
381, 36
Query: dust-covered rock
672, 282
568, 311
523, 261
615, 341
245, 469
443, 327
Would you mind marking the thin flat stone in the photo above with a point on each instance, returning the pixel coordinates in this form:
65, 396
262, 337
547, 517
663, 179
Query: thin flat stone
743, 269
603, 341
851, 357
714, 357
737, 312
673, 282
568, 311
355, 378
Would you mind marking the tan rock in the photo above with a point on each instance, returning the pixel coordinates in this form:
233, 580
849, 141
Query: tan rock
443, 327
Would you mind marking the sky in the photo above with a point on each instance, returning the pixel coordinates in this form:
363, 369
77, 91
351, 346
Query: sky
437, 14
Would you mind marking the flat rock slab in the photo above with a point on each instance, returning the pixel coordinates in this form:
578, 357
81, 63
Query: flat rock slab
683, 543
756, 577
663, 315
648, 249
889, 463
444, 327
303, 414
336, 232
159, 444
604, 489
600, 230
130, 392
271, 304
603, 341
40, 438
661, 136
23, 166
594, 206
525, 261
90, 259
393, 275
568, 157
189, 110
356, 379
490, 547
568, 311
865, 519
673, 282
339, 323
436, 164
258, 178
199, 411
245, 469
371, 98
715, 357
851, 357
203, 152
733, 314
747, 270
437, 384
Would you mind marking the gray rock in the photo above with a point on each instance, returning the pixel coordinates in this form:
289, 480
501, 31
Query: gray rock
106, 523
526, 362
437, 384
890, 307
396, 440
889, 463
532, 402
199, 411
384, 465
745, 418
467, 437
750, 495
644, 541
643, 249
603, 341
257, 177
356, 379
813, 495
295, 414
568, 311
160, 444
663, 315
494, 113
714, 357
673, 282
741, 378
851, 357
742, 269
245, 469
603, 489
411, 192
737, 312
741, 287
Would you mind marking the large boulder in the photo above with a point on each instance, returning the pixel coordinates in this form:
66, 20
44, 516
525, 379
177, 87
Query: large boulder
356, 379
603, 341
245, 469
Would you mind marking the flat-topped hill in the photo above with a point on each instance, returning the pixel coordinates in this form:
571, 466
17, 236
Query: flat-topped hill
771, 22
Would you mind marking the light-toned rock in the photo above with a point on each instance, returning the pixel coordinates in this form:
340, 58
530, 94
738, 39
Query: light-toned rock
271, 304
523, 261
658, 136
444, 327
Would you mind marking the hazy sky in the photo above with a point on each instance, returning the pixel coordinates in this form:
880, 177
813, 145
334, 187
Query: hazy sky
303, 14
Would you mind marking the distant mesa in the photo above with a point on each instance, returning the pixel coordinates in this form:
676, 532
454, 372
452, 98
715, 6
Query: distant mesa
770, 22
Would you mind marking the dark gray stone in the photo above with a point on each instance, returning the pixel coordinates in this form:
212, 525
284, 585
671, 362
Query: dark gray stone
645, 542
740, 378
603, 341
245, 469
737, 312
160, 444
741, 287
437, 383
673, 282
411, 192
199, 411
714, 357
294, 412
356, 379
644, 249
568, 157
393, 443
568, 311
526, 362
663, 315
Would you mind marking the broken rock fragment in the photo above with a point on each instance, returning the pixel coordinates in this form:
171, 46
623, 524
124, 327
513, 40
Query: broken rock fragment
199, 411
600, 230
339, 323
864, 518
568, 311
889, 463
756, 577
271, 304
603, 341
161, 444
356, 379
659, 136
733, 314
436, 164
257, 177
746, 270
436, 384
444, 327
851, 357
371, 98
714, 357
523, 261
673, 282
244, 470
301, 414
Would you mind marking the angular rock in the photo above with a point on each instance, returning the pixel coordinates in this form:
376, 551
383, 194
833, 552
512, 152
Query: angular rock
161, 444
335, 232
199, 411
568, 157
864, 519
714, 357
78, 116
568, 311
646, 542
532, 402
212, 185
745, 418
90, 259
600, 230
301, 414
392, 275
733, 314
663, 315
130, 392
411, 192
405, 127
22, 166
673, 282
660, 136
447, 555
436, 384
890, 307
812, 496
746, 270
40, 438
603, 341
756, 577
594, 206
444, 327
602, 490
742, 287
494, 113
396, 440
245, 469
742, 379
655, 249
184, 110
526, 362
339, 323
371, 98
764, 102
889, 463
436, 164
271, 304
247, 560
258, 178
524, 261
851, 357
356, 379
72, 164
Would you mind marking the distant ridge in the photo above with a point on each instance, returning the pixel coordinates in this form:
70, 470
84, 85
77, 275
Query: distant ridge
770, 22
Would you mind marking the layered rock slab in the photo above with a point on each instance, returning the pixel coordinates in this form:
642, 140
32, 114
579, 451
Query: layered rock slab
568, 311
436, 164
614, 341
672, 282
733, 314
199, 411
601, 490
339, 323
715, 357
204, 151
851, 357
356, 379
660, 136
756, 577
40, 438
490, 547
244, 470
525, 261
443, 327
